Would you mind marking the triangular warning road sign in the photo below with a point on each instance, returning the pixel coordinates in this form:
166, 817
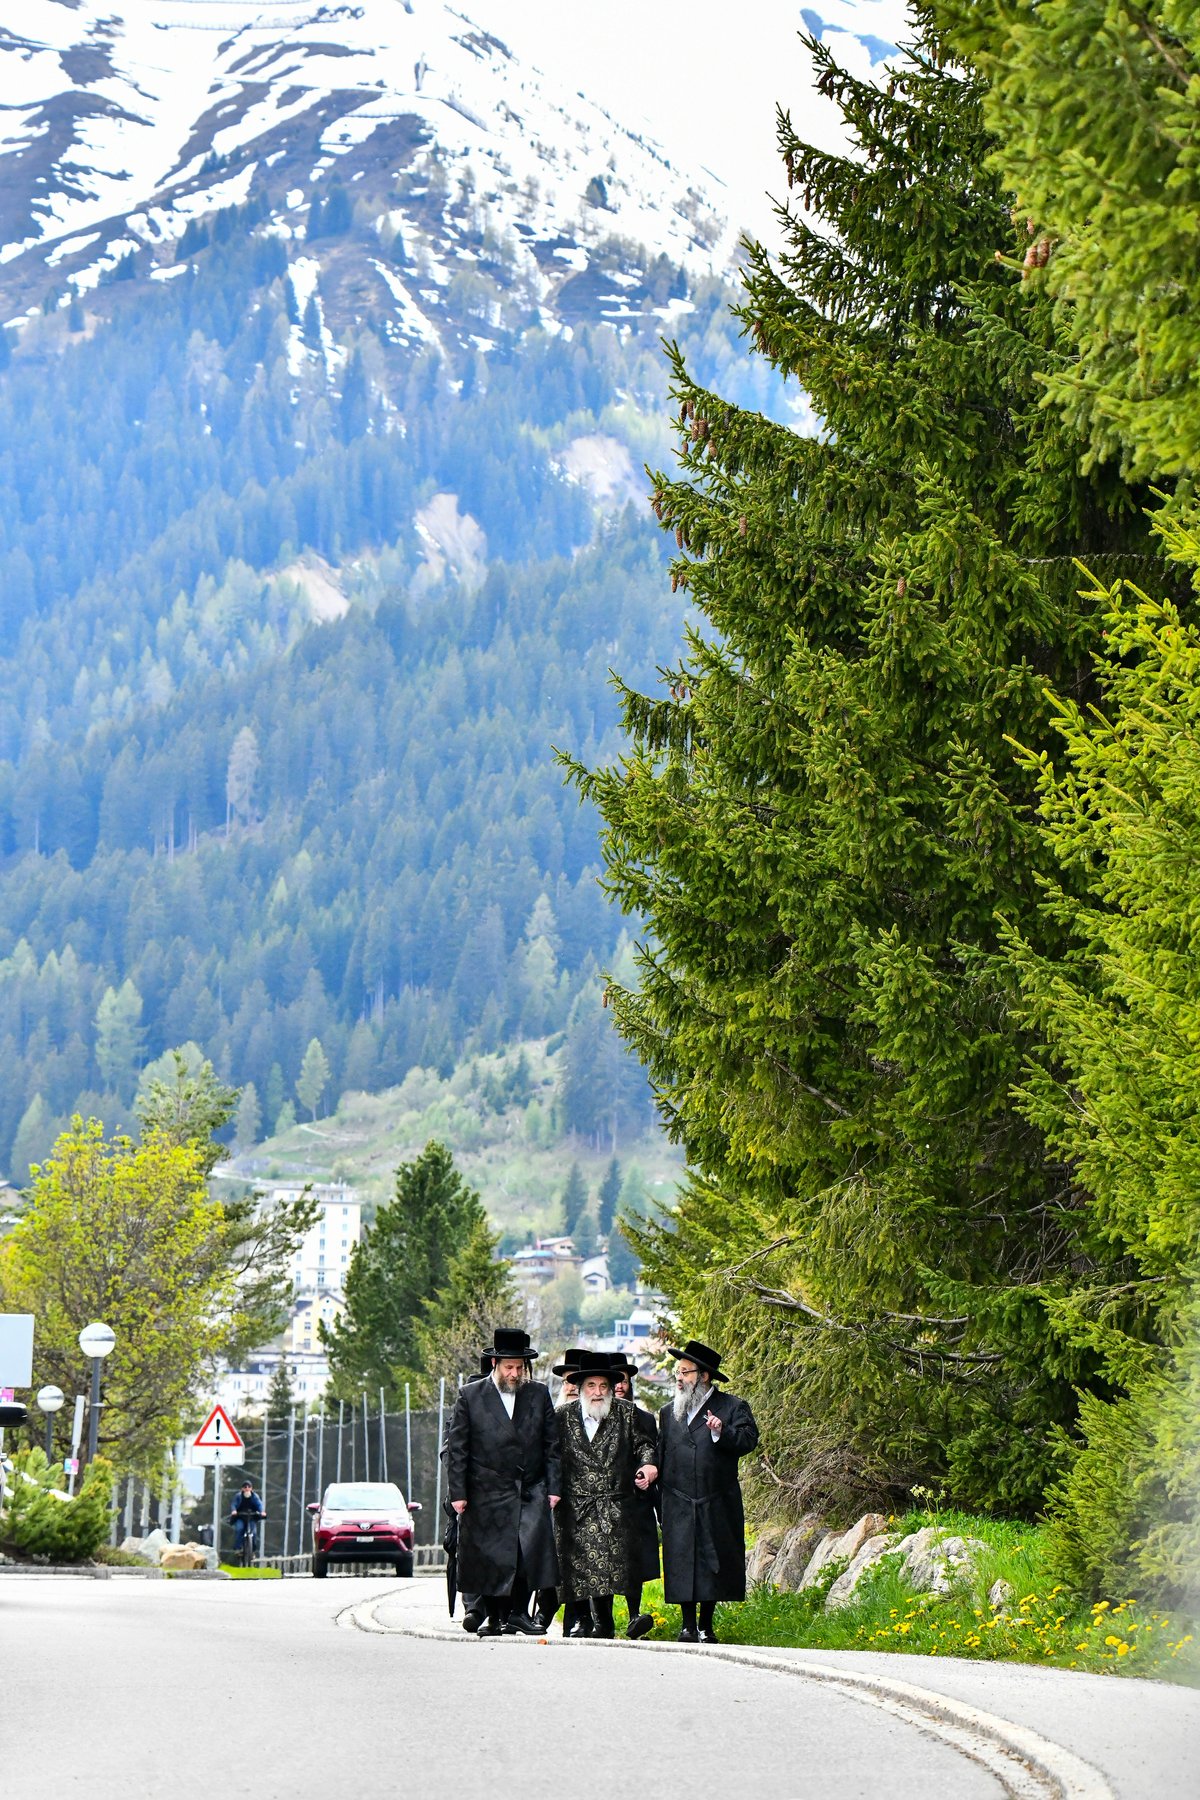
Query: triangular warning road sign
218, 1432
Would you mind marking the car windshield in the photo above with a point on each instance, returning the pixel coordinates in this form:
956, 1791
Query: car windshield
348, 1496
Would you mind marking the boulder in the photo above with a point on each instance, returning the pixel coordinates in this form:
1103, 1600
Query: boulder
149, 1549
934, 1563
184, 1556
999, 1595
843, 1590
760, 1559
208, 1556
795, 1552
835, 1546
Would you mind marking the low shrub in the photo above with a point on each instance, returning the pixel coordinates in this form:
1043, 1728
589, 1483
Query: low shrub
39, 1520
1040, 1620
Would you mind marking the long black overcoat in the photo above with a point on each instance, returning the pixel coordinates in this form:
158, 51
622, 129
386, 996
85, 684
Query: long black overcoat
505, 1469
599, 1518
648, 1503
703, 1525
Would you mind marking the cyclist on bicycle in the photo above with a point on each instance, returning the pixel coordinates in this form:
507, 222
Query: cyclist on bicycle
247, 1510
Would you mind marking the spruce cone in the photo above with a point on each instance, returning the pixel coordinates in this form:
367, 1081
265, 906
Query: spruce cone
742, 526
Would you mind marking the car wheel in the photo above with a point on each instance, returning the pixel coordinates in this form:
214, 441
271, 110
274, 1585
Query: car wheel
320, 1566
404, 1565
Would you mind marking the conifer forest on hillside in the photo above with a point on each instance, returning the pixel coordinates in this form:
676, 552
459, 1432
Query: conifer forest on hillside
372, 725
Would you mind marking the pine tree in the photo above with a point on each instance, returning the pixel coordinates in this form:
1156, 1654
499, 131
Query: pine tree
281, 1398
477, 1296
1114, 1091
606, 1199
1111, 206
119, 1036
313, 1078
574, 1199
623, 1264
823, 818
402, 1265
1093, 103
249, 1118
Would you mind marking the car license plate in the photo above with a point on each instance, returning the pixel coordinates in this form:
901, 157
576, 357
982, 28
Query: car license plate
366, 1537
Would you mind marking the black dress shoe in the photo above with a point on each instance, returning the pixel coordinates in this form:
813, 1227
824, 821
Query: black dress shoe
689, 1635
472, 1619
544, 1621
490, 1628
582, 1628
639, 1625
521, 1622
604, 1630
709, 1636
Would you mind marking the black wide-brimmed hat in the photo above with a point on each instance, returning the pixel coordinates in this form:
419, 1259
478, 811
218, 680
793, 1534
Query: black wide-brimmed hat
510, 1343
703, 1357
592, 1362
624, 1365
569, 1363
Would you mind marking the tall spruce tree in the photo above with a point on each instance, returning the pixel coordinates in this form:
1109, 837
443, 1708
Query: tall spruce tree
402, 1264
1094, 109
823, 820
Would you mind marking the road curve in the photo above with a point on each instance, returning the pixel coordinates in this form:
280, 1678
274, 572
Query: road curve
138, 1687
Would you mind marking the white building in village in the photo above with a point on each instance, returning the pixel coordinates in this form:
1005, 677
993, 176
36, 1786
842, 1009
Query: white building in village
318, 1277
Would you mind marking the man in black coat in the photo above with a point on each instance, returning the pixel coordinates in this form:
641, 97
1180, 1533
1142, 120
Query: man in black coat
701, 1435
624, 1376
504, 1476
607, 1456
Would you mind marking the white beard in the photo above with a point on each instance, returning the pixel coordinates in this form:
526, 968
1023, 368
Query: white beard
596, 1409
687, 1400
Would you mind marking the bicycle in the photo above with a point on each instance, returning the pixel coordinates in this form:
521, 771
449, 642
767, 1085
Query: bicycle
248, 1553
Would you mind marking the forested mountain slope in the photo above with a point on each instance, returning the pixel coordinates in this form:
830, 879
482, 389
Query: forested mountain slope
321, 522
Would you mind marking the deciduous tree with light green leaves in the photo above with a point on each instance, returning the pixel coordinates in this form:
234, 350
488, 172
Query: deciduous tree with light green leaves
126, 1233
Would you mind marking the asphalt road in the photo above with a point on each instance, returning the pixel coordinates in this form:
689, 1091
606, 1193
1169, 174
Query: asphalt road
133, 1688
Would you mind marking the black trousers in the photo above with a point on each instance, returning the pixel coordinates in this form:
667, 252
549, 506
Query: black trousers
499, 1606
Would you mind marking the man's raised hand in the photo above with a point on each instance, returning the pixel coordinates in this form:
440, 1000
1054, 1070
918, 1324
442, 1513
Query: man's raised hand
715, 1425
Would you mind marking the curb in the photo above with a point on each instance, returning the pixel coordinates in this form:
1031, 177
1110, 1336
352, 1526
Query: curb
1027, 1765
85, 1571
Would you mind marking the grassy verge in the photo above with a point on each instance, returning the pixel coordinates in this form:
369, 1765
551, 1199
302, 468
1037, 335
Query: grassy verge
240, 1574
1040, 1623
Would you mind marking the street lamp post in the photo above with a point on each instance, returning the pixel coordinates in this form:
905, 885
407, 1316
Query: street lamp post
96, 1341
50, 1400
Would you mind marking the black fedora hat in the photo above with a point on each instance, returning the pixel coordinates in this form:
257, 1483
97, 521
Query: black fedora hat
508, 1342
569, 1363
592, 1362
703, 1357
624, 1365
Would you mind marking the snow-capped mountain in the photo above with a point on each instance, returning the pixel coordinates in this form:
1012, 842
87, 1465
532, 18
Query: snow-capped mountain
119, 126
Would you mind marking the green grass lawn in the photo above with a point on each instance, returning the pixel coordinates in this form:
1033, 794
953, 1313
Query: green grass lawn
240, 1574
1040, 1624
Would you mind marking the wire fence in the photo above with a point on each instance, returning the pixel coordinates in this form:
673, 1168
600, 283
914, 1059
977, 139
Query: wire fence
291, 1462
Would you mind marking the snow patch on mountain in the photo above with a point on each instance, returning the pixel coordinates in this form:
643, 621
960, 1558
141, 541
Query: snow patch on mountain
111, 112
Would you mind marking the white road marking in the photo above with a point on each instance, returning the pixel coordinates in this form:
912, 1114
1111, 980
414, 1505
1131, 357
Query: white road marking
1027, 1765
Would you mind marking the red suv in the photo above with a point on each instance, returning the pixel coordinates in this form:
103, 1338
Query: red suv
362, 1521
